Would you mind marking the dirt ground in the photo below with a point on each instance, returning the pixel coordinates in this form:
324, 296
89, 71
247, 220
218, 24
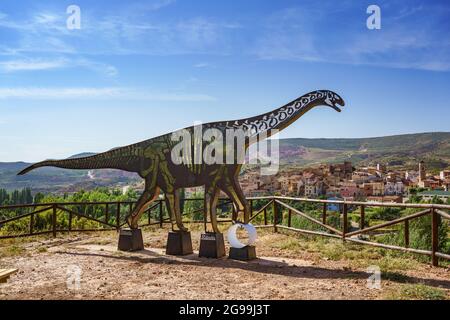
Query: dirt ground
150, 274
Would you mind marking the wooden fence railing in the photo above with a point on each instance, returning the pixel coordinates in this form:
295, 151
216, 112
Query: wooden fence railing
436, 211
115, 213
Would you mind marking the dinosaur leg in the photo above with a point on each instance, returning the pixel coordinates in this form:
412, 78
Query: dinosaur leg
169, 201
211, 200
234, 191
173, 204
148, 196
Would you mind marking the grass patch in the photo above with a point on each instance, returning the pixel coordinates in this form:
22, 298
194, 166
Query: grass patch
99, 241
417, 292
42, 249
10, 251
358, 256
290, 244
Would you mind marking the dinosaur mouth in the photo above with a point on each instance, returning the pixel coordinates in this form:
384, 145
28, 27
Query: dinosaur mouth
338, 103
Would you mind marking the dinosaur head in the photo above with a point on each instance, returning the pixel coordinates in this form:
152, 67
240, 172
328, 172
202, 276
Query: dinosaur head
333, 100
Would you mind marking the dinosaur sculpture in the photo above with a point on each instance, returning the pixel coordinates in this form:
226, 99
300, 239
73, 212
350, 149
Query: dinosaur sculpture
152, 160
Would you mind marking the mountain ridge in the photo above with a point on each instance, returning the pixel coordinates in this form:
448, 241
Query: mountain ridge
395, 150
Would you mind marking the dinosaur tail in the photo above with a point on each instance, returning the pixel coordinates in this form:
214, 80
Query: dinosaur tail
66, 164
119, 158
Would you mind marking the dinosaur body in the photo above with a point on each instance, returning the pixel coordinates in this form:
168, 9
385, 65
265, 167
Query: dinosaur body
152, 160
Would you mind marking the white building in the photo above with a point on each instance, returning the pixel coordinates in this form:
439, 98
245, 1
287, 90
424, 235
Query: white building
412, 176
443, 175
313, 188
394, 188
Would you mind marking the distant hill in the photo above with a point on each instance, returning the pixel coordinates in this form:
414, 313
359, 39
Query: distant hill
48, 179
396, 151
81, 155
399, 150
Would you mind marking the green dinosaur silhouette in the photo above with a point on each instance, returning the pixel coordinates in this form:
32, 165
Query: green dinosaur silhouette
152, 160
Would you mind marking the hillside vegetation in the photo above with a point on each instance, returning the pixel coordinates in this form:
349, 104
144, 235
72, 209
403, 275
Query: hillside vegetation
400, 150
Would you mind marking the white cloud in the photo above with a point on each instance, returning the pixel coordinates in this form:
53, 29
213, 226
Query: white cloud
157, 5
57, 63
31, 93
58, 93
99, 67
202, 65
130, 32
31, 65
408, 37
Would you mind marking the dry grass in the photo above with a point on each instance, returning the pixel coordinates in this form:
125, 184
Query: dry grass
357, 256
311, 267
416, 292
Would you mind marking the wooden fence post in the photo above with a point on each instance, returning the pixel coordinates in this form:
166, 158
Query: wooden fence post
54, 221
407, 233
275, 216
324, 214
31, 224
362, 220
289, 217
161, 214
70, 221
149, 216
344, 221
130, 210
265, 216
118, 216
434, 237
107, 213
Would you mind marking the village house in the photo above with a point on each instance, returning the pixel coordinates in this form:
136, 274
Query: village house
373, 188
429, 183
313, 188
444, 175
341, 170
412, 176
394, 188
446, 185
360, 177
344, 181
350, 189
295, 183
381, 169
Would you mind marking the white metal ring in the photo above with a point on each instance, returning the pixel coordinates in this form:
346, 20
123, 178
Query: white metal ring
233, 239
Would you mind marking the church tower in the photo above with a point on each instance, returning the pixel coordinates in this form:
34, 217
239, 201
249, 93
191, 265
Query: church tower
422, 175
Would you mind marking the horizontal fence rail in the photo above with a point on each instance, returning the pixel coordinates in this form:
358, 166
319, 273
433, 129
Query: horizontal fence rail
109, 215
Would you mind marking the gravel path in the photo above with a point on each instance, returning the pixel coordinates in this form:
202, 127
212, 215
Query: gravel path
150, 274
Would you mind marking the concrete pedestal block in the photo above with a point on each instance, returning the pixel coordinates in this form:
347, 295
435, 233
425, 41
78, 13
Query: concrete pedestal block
130, 240
179, 243
246, 253
212, 245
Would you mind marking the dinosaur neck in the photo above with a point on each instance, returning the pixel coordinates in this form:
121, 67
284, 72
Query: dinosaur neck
282, 117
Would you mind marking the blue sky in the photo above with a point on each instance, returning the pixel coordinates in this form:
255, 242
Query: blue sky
138, 69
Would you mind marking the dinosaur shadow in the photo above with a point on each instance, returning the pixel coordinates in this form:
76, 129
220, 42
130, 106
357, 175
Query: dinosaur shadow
261, 265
